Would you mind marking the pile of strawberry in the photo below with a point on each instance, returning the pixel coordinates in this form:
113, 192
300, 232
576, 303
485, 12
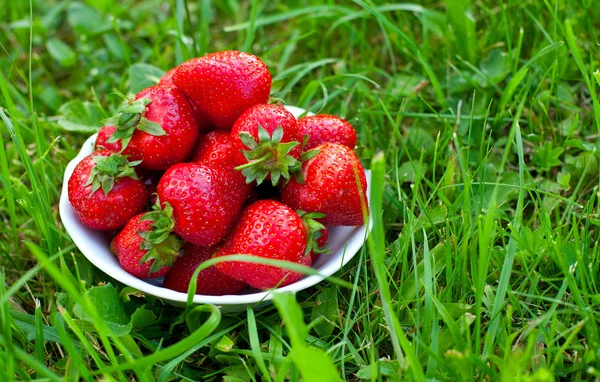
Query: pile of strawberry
201, 165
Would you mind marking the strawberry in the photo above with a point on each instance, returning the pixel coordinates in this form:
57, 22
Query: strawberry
103, 135
158, 127
224, 84
266, 139
105, 191
167, 78
324, 128
330, 186
269, 229
206, 200
209, 282
203, 122
145, 247
215, 148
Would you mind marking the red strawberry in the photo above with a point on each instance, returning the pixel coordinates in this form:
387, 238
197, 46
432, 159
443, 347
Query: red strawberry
209, 282
145, 247
324, 128
159, 128
167, 78
267, 141
330, 186
203, 122
103, 135
224, 84
206, 200
105, 191
268, 229
215, 148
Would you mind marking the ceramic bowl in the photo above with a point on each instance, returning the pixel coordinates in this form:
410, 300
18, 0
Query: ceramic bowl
344, 243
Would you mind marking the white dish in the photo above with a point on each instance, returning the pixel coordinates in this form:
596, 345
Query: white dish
344, 243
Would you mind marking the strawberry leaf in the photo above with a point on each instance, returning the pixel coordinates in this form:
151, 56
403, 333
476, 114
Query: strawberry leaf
108, 169
162, 244
131, 118
313, 229
267, 157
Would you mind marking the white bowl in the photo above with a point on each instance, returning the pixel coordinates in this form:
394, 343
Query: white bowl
344, 243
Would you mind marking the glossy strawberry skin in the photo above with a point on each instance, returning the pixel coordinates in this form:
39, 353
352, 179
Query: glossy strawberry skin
270, 117
105, 133
167, 78
267, 229
325, 128
127, 198
330, 186
215, 148
206, 200
224, 84
203, 122
172, 110
210, 281
126, 246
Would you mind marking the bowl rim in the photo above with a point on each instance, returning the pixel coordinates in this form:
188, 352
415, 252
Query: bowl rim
75, 229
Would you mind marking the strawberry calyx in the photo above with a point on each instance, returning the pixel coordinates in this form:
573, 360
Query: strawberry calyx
108, 169
296, 169
267, 157
163, 246
131, 118
313, 229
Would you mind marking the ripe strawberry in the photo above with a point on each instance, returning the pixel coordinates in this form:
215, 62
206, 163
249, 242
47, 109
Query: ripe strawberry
167, 78
203, 122
103, 135
266, 139
330, 186
145, 247
105, 191
209, 282
324, 128
159, 128
224, 84
268, 229
215, 148
206, 200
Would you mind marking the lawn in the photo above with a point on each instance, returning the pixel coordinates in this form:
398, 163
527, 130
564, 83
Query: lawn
479, 119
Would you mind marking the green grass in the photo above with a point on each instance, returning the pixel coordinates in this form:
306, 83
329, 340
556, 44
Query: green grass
481, 123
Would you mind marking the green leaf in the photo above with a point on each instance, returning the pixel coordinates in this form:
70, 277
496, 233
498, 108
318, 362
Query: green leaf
109, 308
26, 322
382, 367
314, 364
546, 157
142, 76
564, 180
142, 317
87, 20
419, 139
326, 311
151, 128
462, 20
61, 52
496, 65
80, 116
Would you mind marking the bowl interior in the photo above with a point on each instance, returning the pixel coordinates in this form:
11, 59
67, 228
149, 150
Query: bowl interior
344, 243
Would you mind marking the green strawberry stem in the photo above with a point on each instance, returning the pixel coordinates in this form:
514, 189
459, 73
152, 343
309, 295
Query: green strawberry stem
163, 246
109, 169
131, 118
267, 157
313, 229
